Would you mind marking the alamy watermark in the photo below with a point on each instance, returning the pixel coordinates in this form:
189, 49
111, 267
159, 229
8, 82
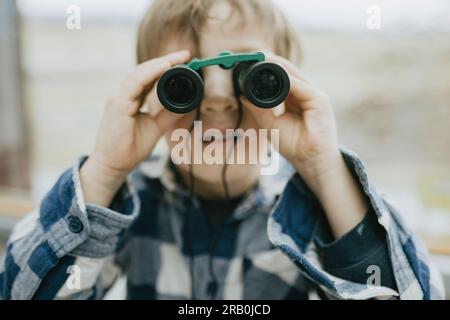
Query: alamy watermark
74, 279
250, 146
73, 21
373, 21
374, 279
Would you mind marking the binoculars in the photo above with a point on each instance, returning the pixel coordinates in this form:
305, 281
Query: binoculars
264, 84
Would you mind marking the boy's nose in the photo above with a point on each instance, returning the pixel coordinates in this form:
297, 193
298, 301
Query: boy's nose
218, 92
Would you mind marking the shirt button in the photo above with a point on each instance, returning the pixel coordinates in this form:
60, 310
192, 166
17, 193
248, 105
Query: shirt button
75, 224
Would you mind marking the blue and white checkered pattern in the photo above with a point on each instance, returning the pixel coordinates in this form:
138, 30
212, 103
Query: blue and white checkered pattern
266, 249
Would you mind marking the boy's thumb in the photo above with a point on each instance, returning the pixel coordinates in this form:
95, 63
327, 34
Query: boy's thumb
263, 117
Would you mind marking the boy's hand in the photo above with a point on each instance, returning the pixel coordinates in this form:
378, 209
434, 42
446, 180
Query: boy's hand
127, 136
308, 139
308, 134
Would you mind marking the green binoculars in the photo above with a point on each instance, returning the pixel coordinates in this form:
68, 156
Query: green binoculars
264, 84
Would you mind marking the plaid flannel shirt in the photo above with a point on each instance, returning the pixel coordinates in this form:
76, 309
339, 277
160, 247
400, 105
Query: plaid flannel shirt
266, 250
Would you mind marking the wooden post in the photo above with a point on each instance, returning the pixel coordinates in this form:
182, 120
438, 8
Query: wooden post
14, 162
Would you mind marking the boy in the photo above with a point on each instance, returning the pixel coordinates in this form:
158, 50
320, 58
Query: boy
202, 232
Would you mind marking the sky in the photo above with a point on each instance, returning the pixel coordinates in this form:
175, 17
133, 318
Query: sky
404, 15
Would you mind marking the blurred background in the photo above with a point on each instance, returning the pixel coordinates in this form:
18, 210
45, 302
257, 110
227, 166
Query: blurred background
389, 83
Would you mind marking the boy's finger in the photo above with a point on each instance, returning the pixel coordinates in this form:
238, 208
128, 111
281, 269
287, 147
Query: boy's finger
301, 90
133, 88
263, 117
173, 57
164, 119
303, 97
288, 65
148, 72
153, 105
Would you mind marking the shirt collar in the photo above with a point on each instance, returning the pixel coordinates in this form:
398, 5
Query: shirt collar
158, 166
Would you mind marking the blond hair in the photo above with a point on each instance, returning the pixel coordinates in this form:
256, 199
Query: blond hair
187, 17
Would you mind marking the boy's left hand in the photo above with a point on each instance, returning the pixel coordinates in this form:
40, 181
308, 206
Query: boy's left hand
308, 139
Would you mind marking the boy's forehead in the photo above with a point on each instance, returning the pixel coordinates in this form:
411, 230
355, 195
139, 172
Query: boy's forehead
213, 40
174, 42
216, 38
223, 30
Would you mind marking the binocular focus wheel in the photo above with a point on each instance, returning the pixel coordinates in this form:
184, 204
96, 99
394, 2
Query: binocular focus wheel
264, 84
180, 89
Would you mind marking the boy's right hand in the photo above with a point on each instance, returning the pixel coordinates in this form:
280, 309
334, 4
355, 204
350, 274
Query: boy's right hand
127, 136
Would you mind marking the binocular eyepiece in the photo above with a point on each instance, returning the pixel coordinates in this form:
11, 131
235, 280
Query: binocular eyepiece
265, 84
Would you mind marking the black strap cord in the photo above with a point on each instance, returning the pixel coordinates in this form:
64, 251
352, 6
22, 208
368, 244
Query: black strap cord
188, 215
213, 285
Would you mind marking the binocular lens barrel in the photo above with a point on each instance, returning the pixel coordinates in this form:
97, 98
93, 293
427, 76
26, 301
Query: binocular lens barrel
264, 84
180, 89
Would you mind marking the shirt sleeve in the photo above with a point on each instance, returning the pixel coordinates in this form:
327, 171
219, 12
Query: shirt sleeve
63, 249
361, 249
298, 217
